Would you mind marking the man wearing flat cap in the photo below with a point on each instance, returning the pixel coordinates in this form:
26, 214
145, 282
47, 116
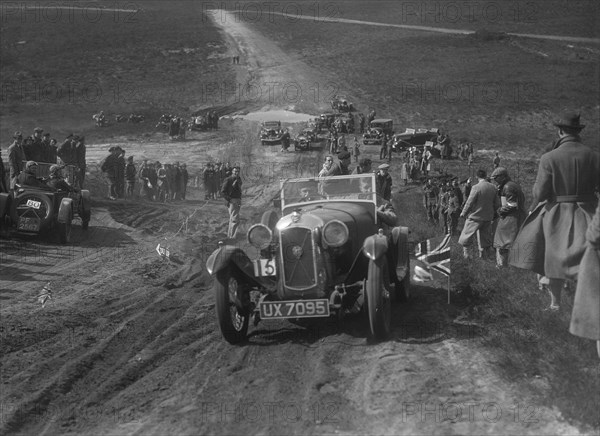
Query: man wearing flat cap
16, 156
383, 182
551, 241
340, 168
511, 214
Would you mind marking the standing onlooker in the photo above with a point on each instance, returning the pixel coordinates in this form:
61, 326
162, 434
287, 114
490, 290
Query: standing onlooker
497, 161
231, 191
130, 175
356, 149
120, 172
453, 212
430, 201
207, 179
404, 172
511, 214
53, 151
467, 190
185, 177
481, 209
383, 182
3, 184
552, 239
16, 156
383, 150
585, 320
426, 161
110, 168
148, 179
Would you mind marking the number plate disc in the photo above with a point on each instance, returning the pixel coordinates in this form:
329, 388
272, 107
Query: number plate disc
265, 268
294, 309
27, 224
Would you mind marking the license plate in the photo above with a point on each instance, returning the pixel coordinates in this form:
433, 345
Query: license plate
28, 224
294, 309
34, 204
265, 268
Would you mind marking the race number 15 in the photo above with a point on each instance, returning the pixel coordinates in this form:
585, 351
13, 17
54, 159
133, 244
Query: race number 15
264, 267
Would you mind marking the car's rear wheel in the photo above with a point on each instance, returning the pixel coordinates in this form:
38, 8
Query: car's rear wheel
233, 321
64, 232
379, 298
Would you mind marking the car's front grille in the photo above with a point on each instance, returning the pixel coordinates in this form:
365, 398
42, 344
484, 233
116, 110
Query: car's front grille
298, 258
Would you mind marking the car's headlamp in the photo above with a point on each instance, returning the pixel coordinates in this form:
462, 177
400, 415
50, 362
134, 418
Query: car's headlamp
260, 236
335, 233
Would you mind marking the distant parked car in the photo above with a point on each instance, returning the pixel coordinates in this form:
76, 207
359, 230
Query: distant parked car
330, 253
413, 138
377, 130
271, 133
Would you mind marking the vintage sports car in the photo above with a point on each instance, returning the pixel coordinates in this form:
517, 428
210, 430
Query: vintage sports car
377, 130
413, 138
341, 104
271, 132
330, 253
31, 211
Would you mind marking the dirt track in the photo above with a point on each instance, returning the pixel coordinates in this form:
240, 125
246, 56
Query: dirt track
129, 342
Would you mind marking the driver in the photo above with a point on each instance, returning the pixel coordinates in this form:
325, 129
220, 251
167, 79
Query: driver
28, 177
57, 181
309, 192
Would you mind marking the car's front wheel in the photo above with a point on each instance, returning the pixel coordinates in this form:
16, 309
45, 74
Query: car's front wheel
379, 298
233, 321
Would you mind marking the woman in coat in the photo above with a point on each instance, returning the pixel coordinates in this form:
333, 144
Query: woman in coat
511, 214
552, 239
585, 320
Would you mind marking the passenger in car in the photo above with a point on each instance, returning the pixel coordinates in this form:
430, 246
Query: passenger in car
57, 181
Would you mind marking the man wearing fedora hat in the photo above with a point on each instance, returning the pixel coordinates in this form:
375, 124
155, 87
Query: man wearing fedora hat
551, 241
16, 156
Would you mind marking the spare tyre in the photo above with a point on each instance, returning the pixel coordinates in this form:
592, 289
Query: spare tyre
33, 205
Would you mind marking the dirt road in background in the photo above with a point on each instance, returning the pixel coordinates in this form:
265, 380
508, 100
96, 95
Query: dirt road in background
129, 343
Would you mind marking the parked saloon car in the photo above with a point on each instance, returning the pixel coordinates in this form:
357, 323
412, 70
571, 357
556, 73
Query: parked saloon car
413, 138
31, 211
271, 132
328, 254
377, 130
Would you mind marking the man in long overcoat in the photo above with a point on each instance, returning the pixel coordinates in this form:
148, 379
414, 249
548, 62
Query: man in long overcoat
16, 156
585, 319
511, 214
552, 239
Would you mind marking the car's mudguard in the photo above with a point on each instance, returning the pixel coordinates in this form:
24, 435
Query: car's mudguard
375, 246
226, 254
65, 211
4, 204
402, 251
